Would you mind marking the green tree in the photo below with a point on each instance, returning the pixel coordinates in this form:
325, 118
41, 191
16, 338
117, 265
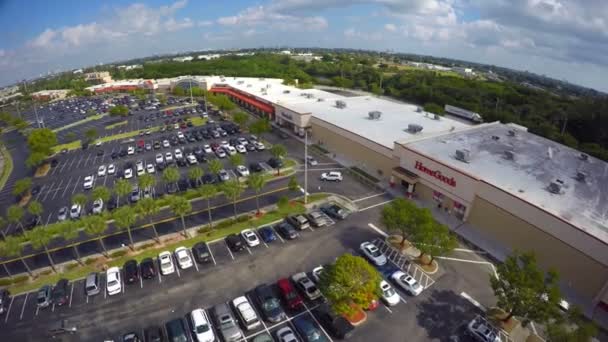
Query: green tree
215, 166
434, 239
178, 91
350, 284
4, 253
572, 327
283, 205
293, 184
195, 173
257, 182
162, 99
146, 181
148, 207
260, 127
13, 247
42, 140
405, 217
124, 219
434, 108
240, 118
180, 207
525, 291
90, 134
171, 175
278, 151
101, 192
35, 208
119, 110
14, 214
69, 230
95, 226
40, 237
237, 159
80, 199
208, 191
35, 159
22, 186
122, 188
232, 190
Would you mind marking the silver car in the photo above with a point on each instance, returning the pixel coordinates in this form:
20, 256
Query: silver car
226, 323
372, 253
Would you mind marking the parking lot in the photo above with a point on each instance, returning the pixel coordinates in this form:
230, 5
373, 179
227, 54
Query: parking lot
438, 312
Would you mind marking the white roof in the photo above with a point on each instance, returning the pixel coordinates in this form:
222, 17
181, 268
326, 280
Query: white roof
537, 162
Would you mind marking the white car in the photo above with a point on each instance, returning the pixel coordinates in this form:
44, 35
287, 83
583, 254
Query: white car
372, 253
98, 206
389, 295
166, 143
246, 313
168, 157
201, 326
166, 263
128, 173
312, 161
130, 150
250, 237
220, 153
139, 164
97, 144
224, 175
88, 182
101, 171
159, 158
316, 273
242, 171
333, 176
75, 211
182, 255
140, 169
191, 159
482, 330
240, 148
180, 135
242, 141
113, 283
407, 283
150, 168
178, 154
230, 150
111, 169
207, 149
259, 146
224, 144
286, 334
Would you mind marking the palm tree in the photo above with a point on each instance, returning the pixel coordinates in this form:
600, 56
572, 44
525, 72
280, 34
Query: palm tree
171, 175
95, 226
40, 237
124, 218
278, 151
257, 181
148, 207
103, 193
69, 230
215, 166
195, 173
22, 186
237, 159
180, 207
4, 254
13, 246
122, 188
14, 214
146, 181
3, 223
207, 191
35, 208
80, 199
232, 190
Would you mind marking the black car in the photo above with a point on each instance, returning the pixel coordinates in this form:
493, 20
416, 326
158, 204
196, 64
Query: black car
54, 162
131, 337
35, 190
114, 155
171, 188
177, 330
5, 297
201, 253
201, 158
270, 304
209, 178
100, 153
131, 271
275, 163
147, 268
60, 292
154, 334
183, 184
255, 167
32, 222
250, 147
157, 145
286, 230
334, 211
122, 153
308, 329
336, 325
235, 243
111, 205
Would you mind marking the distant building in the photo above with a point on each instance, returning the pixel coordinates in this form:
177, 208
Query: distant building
183, 59
208, 57
49, 95
467, 72
98, 77
77, 71
130, 67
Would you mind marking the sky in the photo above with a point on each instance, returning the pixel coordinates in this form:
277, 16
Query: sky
563, 39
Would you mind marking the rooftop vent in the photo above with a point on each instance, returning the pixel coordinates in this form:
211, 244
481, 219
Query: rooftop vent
495, 137
240, 82
249, 86
414, 128
320, 99
436, 117
340, 104
555, 187
286, 91
463, 155
374, 115
509, 155
581, 176
419, 109
583, 157
511, 133
309, 96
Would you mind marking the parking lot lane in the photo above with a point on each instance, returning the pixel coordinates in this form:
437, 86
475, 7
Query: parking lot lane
8, 311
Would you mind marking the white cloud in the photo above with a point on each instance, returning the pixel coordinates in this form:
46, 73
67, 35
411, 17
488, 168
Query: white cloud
390, 27
204, 23
264, 16
44, 39
352, 33
173, 25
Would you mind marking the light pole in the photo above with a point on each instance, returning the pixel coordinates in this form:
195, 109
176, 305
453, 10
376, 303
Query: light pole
191, 100
35, 110
305, 166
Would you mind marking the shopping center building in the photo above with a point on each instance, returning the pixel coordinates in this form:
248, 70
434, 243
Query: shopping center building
512, 189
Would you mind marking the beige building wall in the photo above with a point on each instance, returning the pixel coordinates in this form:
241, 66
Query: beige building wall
579, 271
299, 120
353, 149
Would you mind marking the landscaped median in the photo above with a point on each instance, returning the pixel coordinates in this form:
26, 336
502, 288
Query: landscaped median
90, 118
78, 144
7, 166
118, 124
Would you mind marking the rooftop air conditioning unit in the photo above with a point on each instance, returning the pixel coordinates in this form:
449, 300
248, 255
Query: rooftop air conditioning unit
436, 117
511, 133
581, 176
414, 128
419, 109
240, 82
320, 99
463, 155
340, 104
374, 115
509, 155
583, 157
286, 91
249, 86
555, 188
495, 137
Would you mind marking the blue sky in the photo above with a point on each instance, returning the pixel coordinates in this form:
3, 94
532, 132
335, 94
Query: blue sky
564, 39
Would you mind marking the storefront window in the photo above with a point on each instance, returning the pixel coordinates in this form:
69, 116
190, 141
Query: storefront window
459, 210
438, 197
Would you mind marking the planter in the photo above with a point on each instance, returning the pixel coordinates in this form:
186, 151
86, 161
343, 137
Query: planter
497, 316
427, 267
357, 318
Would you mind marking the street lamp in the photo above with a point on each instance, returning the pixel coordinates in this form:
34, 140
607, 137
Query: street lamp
305, 166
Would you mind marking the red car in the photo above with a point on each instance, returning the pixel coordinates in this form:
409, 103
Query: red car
289, 294
141, 143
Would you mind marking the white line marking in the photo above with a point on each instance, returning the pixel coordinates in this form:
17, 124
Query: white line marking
472, 262
53, 308
9, 309
465, 250
372, 196
159, 280
76, 184
472, 300
23, 307
71, 293
372, 226
319, 324
141, 282
228, 248
87, 299
375, 205
211, 253
387, 309
248, 250
37, 309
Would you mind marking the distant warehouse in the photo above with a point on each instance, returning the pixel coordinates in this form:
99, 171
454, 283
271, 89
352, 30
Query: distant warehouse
463, 113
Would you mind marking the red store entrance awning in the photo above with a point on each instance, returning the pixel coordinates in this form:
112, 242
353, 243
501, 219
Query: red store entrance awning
265, 107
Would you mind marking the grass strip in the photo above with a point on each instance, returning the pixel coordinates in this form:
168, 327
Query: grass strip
68, 146
197, 121
90, 118
7, 167
118, 124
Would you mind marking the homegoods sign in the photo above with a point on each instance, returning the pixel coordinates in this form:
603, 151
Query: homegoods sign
435, 174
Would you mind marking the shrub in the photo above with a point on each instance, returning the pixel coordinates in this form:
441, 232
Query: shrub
6, 281
118, 254
204, 229
90, 261
71, 266
146, 246
46, 272
20, 279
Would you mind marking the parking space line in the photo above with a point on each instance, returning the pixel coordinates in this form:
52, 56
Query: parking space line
228, 248
105, 293
212, 257
319, 324
79, 161
42, 189
87, 161
23, 307
9, 309
87, 299
177, 270
141, 282
248, 250
277, 234
193, 261
76, 184
159, 279
387, 309
56, 189
37, 310
66, 187
71, 293
53, 308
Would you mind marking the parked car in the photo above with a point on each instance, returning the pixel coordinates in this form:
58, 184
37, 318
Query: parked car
308, 329
62, 327
75, 211
201, 326
372, 253
88, 182
245, 312
332, 176
482, 331
275, 163
287, 230
131, 337
154, 334
166, 263
389, 295
267, 234
4, 300
336, 325
147, 268
91, 284
43, 297
407, 282
289, 294
150, 168
131, 271
255, 167
128, 173
226, 323
234, 242
223, 175
201, 252
335, 211
306, 286
97, 206
298, 221
60, 292
113, 283
101, 171
311, 161
242, 171
111, 169
177, 330
182, 255
317, 218
269, 303
263, 337
316, 273
62, 215
286, 334
250, 237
